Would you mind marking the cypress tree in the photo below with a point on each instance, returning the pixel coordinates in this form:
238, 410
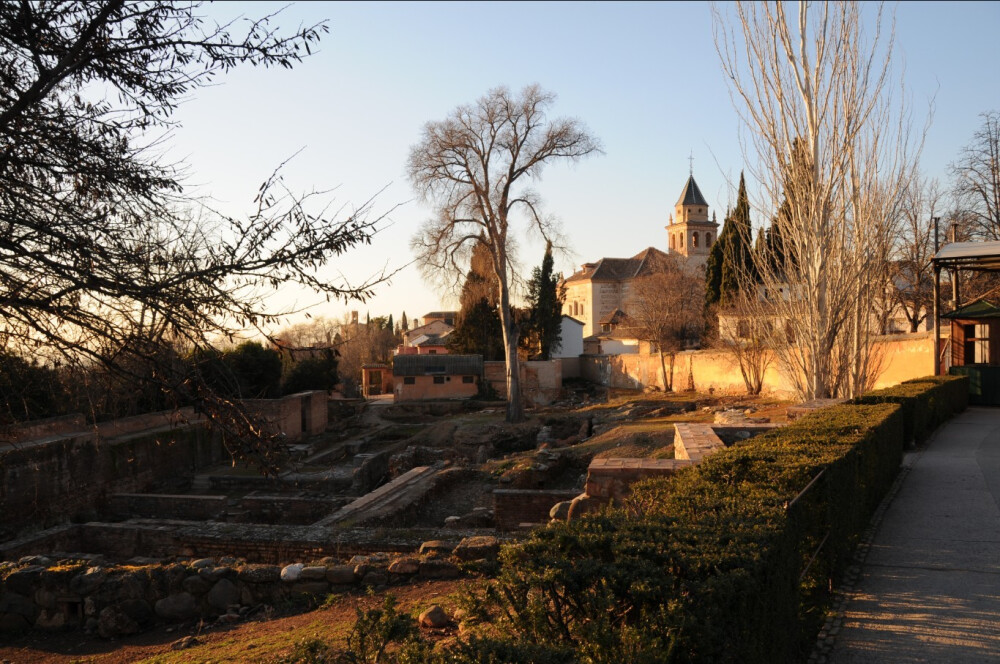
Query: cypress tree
731, 256
738, 263
545, 301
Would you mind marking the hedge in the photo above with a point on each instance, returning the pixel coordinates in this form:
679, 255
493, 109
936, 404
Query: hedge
720, 563
926, 402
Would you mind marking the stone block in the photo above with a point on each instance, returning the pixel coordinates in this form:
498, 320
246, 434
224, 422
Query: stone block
180, 606
340, 575
477, 548
222, 594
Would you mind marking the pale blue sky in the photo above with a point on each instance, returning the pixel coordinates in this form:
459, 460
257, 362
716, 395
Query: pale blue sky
644, 77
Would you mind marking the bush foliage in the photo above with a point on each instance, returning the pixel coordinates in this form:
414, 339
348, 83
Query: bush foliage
728, 561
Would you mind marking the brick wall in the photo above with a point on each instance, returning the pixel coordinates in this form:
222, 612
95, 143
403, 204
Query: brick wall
512, 507
541, 381
294, 510
72, 478
281, 415
167, 506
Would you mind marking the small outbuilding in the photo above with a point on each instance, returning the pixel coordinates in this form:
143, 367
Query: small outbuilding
975, 327
436, 376
975, 349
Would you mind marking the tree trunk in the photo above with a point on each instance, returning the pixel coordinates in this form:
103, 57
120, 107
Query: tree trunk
515, 406
663, 371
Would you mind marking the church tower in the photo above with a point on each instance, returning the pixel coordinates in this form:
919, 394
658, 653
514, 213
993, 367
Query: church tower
691, 233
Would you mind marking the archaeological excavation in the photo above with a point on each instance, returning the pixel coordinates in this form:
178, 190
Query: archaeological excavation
115, 527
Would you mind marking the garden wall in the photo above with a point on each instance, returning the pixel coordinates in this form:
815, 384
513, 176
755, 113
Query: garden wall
903, 357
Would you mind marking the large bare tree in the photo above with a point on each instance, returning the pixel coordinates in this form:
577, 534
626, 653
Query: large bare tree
103, 259
977, 178
912, 281
829, 149
474, 167
665, 308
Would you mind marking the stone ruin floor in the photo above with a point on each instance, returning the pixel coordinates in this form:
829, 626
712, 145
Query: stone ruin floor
401, 494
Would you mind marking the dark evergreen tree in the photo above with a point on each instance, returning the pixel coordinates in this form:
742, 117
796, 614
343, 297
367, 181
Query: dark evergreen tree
738, 263
478, 329
731, 257
404, 324
545, 302
713, 266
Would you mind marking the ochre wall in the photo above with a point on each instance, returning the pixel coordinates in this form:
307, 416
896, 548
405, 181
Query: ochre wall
902, 356
424, 387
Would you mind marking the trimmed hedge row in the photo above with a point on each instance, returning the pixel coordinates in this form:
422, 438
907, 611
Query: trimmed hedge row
724, 562
926, 402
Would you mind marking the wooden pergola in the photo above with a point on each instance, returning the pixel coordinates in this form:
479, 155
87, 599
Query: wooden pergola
959, 256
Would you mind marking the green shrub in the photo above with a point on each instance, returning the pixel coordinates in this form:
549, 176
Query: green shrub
313, 373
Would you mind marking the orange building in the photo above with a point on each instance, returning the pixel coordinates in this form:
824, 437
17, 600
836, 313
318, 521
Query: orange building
436, 376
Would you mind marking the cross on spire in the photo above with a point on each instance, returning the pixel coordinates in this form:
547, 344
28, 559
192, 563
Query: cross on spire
691, 164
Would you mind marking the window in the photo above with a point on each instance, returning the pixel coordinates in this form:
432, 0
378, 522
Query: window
743, 329
977, 344
708, 239
694, 239
439, 380
673, 241
432, 352
681, 238
409, 380
468, 379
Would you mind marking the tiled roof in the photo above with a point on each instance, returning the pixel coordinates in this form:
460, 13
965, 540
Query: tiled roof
613, 318
975, 310
691, 194
620, 269
437, 365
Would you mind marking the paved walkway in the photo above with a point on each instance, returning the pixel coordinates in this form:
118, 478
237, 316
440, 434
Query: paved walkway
930, 588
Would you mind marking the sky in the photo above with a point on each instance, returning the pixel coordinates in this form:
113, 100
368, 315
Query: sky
644, 78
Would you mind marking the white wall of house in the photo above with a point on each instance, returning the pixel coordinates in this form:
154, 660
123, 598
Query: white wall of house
619, 346
571, 331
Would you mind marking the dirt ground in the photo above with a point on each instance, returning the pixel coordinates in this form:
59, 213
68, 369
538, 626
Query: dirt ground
252, 641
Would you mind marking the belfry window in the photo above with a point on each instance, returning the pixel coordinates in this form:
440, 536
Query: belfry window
694, 239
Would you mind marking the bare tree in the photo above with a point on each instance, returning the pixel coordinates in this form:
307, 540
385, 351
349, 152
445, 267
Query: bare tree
830, 151
750, 338
473, 167
103, 260
665, 308
911, 278
977, 178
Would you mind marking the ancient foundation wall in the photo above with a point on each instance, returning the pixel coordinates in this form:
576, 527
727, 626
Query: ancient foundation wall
167, 506
73, 477
512, 507
40, 593
50, 426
